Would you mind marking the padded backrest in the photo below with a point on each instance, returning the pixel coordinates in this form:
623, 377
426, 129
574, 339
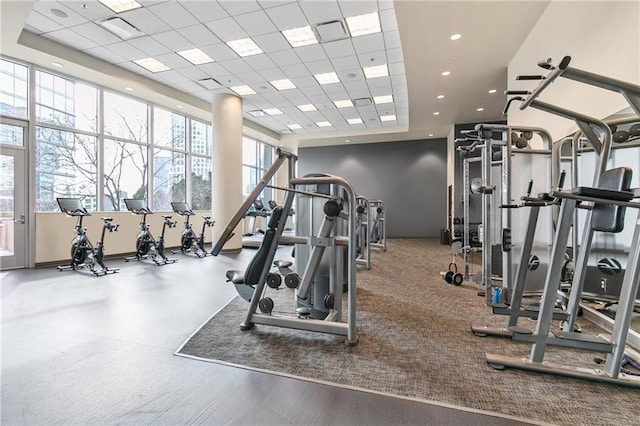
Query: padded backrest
607, 217
257, 264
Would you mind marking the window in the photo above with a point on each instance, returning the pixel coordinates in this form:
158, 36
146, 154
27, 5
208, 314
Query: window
125, 118
125, 173
200, 183
65, 167
168, 129
201, 138
11, 135
256, 159
13, 89
169, 179
65, 102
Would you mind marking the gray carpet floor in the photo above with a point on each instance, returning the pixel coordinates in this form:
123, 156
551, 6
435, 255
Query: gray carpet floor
415, 341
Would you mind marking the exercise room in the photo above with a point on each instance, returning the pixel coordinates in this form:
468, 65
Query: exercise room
327, 212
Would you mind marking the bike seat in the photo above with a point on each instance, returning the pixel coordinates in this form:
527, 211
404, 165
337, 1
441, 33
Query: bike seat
107, 219
236, 277
166, 217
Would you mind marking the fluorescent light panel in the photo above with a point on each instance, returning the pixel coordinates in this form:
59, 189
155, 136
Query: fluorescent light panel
272, 111
301, 36
323, 124
390, 117
383, 99
354, 120
343, 104
196, 56
243, 90
376, 71
294, 126
364, 24
244, 47
307, 107
152, 64
121, 5
283, 84
327, 78
121, 28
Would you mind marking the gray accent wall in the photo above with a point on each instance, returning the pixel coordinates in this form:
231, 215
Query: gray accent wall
410, 177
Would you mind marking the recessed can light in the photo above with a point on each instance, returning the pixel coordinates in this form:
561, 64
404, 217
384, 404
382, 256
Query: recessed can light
492, 91
446, 73
480, 109
179, 106
430, 134
59, 13
456, 37
440, 96
56, 64
436, 113
128, 89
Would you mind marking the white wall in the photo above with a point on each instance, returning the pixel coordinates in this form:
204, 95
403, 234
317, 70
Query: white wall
601, 37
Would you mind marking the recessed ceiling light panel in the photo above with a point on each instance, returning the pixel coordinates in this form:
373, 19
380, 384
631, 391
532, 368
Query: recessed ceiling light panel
385, 99
283, 84
364, 24
376, 71
152, 64
294, 126
354, 121
307, 107
389, 117
243, 90
244, 47
121, 5
195, 56
343, 104
327, 78
272, 111
302, 36
323, 124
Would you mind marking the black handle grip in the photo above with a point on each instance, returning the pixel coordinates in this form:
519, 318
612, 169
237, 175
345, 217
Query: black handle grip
563, 175
530, 187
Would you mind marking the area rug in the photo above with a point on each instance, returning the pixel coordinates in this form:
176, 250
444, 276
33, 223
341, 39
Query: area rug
415, 341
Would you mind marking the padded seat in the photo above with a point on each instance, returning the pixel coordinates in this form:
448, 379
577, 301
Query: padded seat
282, 263
236, 277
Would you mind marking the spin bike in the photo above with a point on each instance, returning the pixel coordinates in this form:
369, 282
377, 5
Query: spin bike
189, 241
148, 247
83, 253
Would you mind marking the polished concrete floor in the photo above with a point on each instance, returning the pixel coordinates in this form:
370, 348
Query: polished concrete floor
79, 349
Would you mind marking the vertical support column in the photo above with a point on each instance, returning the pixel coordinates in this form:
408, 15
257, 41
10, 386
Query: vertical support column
226, 188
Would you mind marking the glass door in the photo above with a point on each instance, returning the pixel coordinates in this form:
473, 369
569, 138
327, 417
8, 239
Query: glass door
13, 197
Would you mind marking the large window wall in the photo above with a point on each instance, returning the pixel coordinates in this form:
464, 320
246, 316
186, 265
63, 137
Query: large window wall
103, 146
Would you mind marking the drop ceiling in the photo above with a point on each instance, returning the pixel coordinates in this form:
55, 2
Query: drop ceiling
414, 43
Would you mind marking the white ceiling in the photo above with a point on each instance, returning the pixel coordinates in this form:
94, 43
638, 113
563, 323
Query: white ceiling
414, 43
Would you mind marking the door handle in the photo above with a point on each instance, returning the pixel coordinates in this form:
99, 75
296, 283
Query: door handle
21, 220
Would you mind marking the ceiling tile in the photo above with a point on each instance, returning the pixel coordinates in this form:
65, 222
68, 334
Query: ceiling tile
395, 55
321, 101
335, 89
392, 40
388, 20
71, 38
171, 76
205, 11
72, 18
230, 80
219, 52
398, 80
368, 43
385, 4
272, 42
174, 61
380, 82
274, 97
355, 93
339, 49
321, 11
360, 7
351, 76
305, 81
370, 59
272, 74
145, 21
287, 16
251, 78
319, 67
93, 10
286, 57
173, 14
189, 86
96, 33
397, 68
198, 35
42, 23
345, 63
235, 7
356, 87
256, 23
193, 73
260, 62
312, 90
235, 66
131, 66
126, 50
174, 41
149, 46
105, 54
226, 29
296, 70
212, 69
310, 53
